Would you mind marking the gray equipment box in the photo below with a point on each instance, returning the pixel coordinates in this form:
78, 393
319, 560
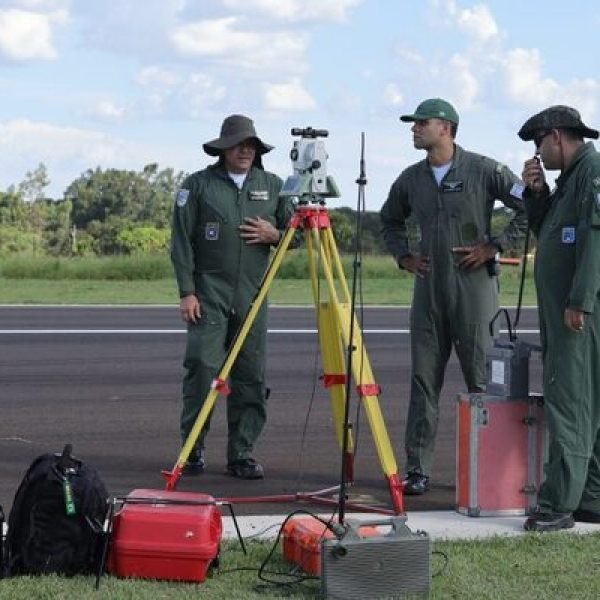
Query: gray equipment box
391, 565
507, 365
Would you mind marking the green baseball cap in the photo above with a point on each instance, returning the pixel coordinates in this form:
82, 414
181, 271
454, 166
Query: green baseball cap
434, 108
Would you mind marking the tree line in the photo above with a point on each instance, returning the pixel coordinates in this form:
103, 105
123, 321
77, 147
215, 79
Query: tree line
111, 211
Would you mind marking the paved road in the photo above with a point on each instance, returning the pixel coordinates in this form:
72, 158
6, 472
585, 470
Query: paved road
107, 380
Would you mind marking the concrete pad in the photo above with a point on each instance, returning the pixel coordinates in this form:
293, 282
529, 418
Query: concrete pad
439, 525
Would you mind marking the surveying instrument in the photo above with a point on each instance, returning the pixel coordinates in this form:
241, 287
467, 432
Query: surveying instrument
309, 186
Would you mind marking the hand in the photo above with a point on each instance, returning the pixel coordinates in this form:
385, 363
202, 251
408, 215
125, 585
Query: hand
475, 256
190, 309
533, 175
258, 231
416, 264
574, 320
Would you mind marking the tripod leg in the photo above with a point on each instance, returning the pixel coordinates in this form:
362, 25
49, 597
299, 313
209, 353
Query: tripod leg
219, 384
361, 366
334, 367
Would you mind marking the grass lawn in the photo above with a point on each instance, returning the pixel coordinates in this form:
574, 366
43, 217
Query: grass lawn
558, 566
393, 290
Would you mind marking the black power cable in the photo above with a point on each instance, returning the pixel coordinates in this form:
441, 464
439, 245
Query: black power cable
361, 181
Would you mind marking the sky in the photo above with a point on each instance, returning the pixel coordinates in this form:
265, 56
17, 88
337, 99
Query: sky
124, 83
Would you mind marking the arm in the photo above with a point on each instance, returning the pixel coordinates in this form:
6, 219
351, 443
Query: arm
394, 229
536, 193
505, 186
585, 287
182, 249
508, 188
256, 230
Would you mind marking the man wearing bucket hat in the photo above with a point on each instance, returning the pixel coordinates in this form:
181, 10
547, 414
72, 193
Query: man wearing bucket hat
451, 195
226, 219
566, 223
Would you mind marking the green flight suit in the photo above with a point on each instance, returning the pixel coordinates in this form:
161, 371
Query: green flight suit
451, 306
212, 261
567, 275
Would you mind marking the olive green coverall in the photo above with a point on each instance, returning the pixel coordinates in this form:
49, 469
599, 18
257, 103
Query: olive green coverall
451, 306
212, 261
567, 275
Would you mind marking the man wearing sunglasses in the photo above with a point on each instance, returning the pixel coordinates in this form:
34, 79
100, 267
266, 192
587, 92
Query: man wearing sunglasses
451, 196
566, 223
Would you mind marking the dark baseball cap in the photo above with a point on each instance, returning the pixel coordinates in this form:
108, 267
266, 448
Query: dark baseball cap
434, 108
556, 117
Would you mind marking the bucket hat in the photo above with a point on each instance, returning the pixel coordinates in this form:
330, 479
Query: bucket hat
234, 130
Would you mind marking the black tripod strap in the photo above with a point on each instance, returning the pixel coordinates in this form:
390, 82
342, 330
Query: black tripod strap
522, 282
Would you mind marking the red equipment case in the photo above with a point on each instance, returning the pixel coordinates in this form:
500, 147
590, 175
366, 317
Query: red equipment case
160, 534
302, 537
500, 454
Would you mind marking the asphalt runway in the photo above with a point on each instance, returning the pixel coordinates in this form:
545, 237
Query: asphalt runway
107, 380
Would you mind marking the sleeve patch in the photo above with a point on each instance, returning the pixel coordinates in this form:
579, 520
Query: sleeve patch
181, 197
517, 190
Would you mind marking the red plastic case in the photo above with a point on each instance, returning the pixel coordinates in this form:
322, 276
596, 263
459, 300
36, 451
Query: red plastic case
500, 454
302, 537
158, 535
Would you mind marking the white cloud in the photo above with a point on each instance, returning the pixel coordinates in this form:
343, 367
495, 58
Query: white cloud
51, 143
409, 56
27, 35
70, 151
288, 96
213, 38
524, 81
297, 10
155, 76
464, 81
199, 92
392, 95
170, 91
526, 85
477, 22
225, 41
108, 110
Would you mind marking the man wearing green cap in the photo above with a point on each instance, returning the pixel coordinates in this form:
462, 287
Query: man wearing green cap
566, 223
225, 221
451, 195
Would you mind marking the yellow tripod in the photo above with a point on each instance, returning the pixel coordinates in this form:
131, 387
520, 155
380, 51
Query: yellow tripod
335, 322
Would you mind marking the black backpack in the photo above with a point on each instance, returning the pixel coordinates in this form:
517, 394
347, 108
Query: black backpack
56, 520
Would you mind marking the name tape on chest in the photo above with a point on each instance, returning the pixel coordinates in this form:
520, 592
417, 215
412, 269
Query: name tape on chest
449, 187
259, 195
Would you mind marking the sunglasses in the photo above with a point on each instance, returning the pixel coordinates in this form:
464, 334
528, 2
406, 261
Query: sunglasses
539, 138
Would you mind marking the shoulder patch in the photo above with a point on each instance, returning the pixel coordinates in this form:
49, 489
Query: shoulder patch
596, 181
499, 167
181, 197
516, 191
